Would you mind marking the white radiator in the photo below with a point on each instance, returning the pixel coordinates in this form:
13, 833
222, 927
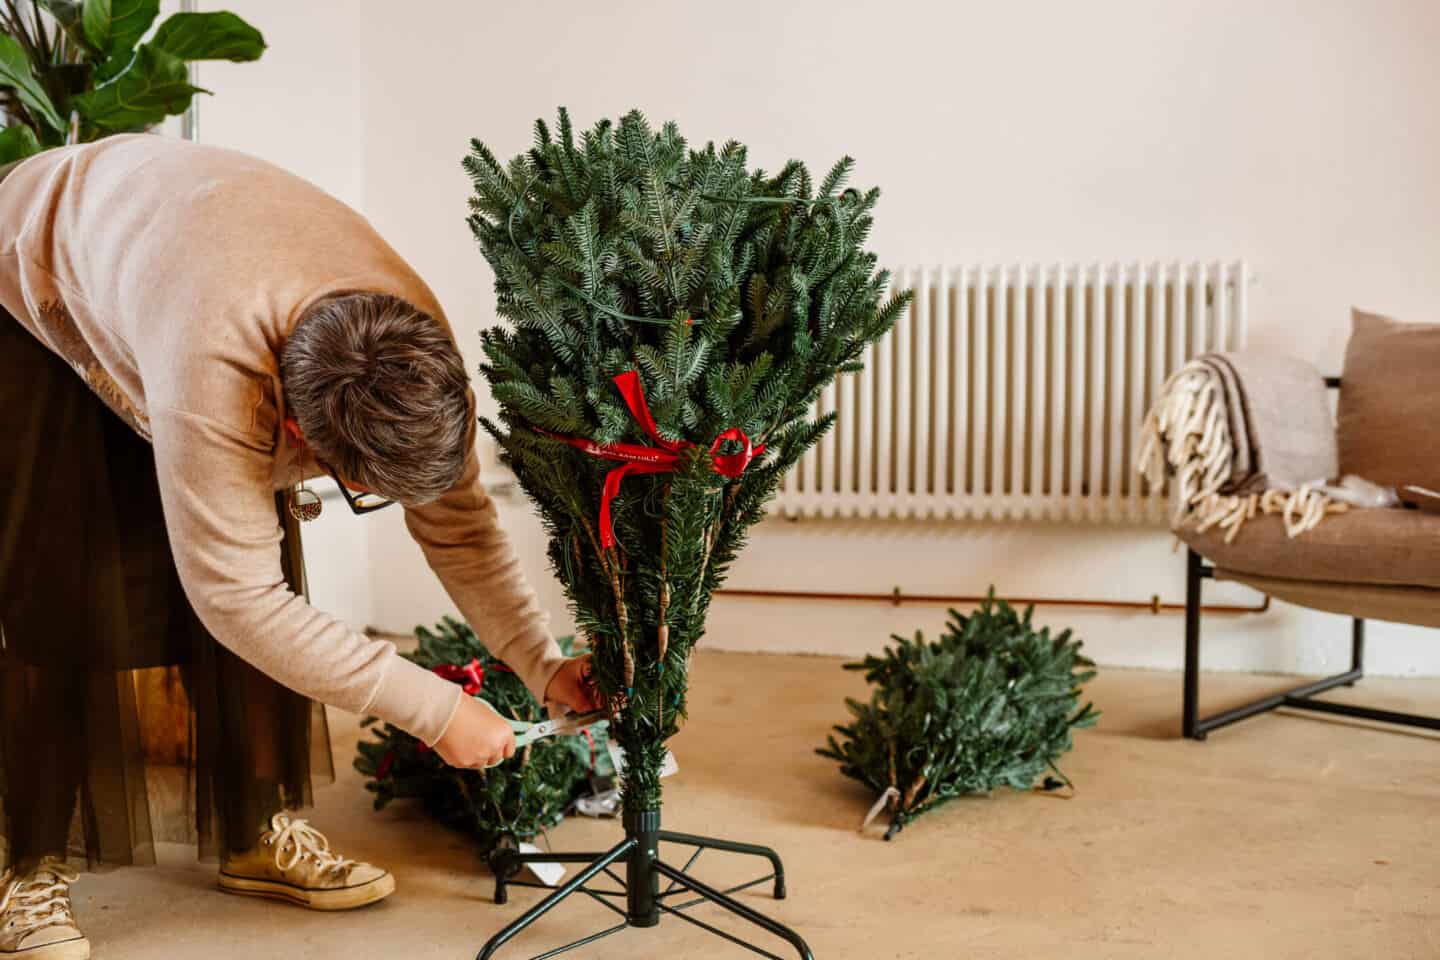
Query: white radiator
1015, 392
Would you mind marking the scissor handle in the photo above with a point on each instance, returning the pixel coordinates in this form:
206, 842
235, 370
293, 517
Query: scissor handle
519, 727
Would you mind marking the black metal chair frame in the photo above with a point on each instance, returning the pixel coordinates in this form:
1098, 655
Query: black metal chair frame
1302, 697
640, 889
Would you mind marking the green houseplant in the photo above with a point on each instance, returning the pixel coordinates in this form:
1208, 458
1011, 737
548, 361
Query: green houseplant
72, 71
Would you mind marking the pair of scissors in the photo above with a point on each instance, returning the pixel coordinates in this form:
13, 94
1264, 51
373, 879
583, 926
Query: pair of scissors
528, 732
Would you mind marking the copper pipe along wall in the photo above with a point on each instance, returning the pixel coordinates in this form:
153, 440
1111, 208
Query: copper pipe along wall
896, 597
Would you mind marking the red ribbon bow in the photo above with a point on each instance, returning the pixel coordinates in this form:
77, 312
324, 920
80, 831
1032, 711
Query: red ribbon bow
471, 675
662, 458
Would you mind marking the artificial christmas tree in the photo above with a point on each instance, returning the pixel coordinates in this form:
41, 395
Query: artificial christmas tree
673, 316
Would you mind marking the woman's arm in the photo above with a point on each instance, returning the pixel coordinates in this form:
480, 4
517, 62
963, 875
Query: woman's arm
220, 514
465, 545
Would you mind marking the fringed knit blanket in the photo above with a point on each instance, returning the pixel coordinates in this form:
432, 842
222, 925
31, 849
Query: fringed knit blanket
1243, 433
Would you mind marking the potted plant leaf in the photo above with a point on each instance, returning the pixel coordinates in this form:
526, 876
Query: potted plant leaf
72, 71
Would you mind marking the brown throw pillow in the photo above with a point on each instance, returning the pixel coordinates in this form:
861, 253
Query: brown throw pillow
1389, 424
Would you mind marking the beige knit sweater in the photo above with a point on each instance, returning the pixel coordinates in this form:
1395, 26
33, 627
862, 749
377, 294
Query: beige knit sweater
169, 275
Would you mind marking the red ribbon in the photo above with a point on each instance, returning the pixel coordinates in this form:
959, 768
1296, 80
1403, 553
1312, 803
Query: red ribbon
470, 676
591, 738
664, 457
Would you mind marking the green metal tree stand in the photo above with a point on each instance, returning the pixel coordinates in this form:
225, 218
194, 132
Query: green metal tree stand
639, 888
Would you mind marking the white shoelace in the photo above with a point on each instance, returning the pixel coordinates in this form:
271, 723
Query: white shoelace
37, 900
300, 841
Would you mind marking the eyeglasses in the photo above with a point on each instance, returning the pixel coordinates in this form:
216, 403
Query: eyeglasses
360, 503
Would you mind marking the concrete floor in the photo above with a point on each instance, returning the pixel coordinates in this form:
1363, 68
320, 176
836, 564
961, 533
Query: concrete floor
1287, 836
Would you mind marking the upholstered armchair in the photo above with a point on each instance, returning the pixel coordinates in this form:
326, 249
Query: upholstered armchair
1297, 542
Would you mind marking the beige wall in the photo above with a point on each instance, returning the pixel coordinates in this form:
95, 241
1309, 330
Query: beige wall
1300, 136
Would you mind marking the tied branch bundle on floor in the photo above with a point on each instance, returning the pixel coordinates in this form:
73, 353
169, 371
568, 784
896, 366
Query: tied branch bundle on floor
991, 703
505, 804
673, 316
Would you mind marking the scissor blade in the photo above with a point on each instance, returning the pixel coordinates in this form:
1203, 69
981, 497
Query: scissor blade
538, 731
579, 720
567, 725
571, 723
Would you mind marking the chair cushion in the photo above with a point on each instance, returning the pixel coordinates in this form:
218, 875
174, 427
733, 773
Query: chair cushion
1390, 402
1415, 605
1387, 546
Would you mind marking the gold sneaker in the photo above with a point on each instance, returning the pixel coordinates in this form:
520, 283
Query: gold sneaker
294, 862
36, 921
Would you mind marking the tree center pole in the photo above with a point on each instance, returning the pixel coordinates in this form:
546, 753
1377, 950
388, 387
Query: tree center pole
642, 881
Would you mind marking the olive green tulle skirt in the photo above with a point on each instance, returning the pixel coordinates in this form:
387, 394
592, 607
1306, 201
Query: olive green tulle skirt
122, 721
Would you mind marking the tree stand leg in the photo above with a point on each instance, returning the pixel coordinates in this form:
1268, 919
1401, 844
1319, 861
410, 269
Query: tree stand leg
640, 887
596, 865
730, 846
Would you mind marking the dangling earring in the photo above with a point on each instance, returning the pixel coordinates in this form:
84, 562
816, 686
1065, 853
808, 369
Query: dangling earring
303, 503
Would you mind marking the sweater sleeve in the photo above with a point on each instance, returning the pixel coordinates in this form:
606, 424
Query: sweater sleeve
220, 515
461, 537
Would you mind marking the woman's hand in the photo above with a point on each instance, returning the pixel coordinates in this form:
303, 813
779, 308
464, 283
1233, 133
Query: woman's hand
477, 737
571, 686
